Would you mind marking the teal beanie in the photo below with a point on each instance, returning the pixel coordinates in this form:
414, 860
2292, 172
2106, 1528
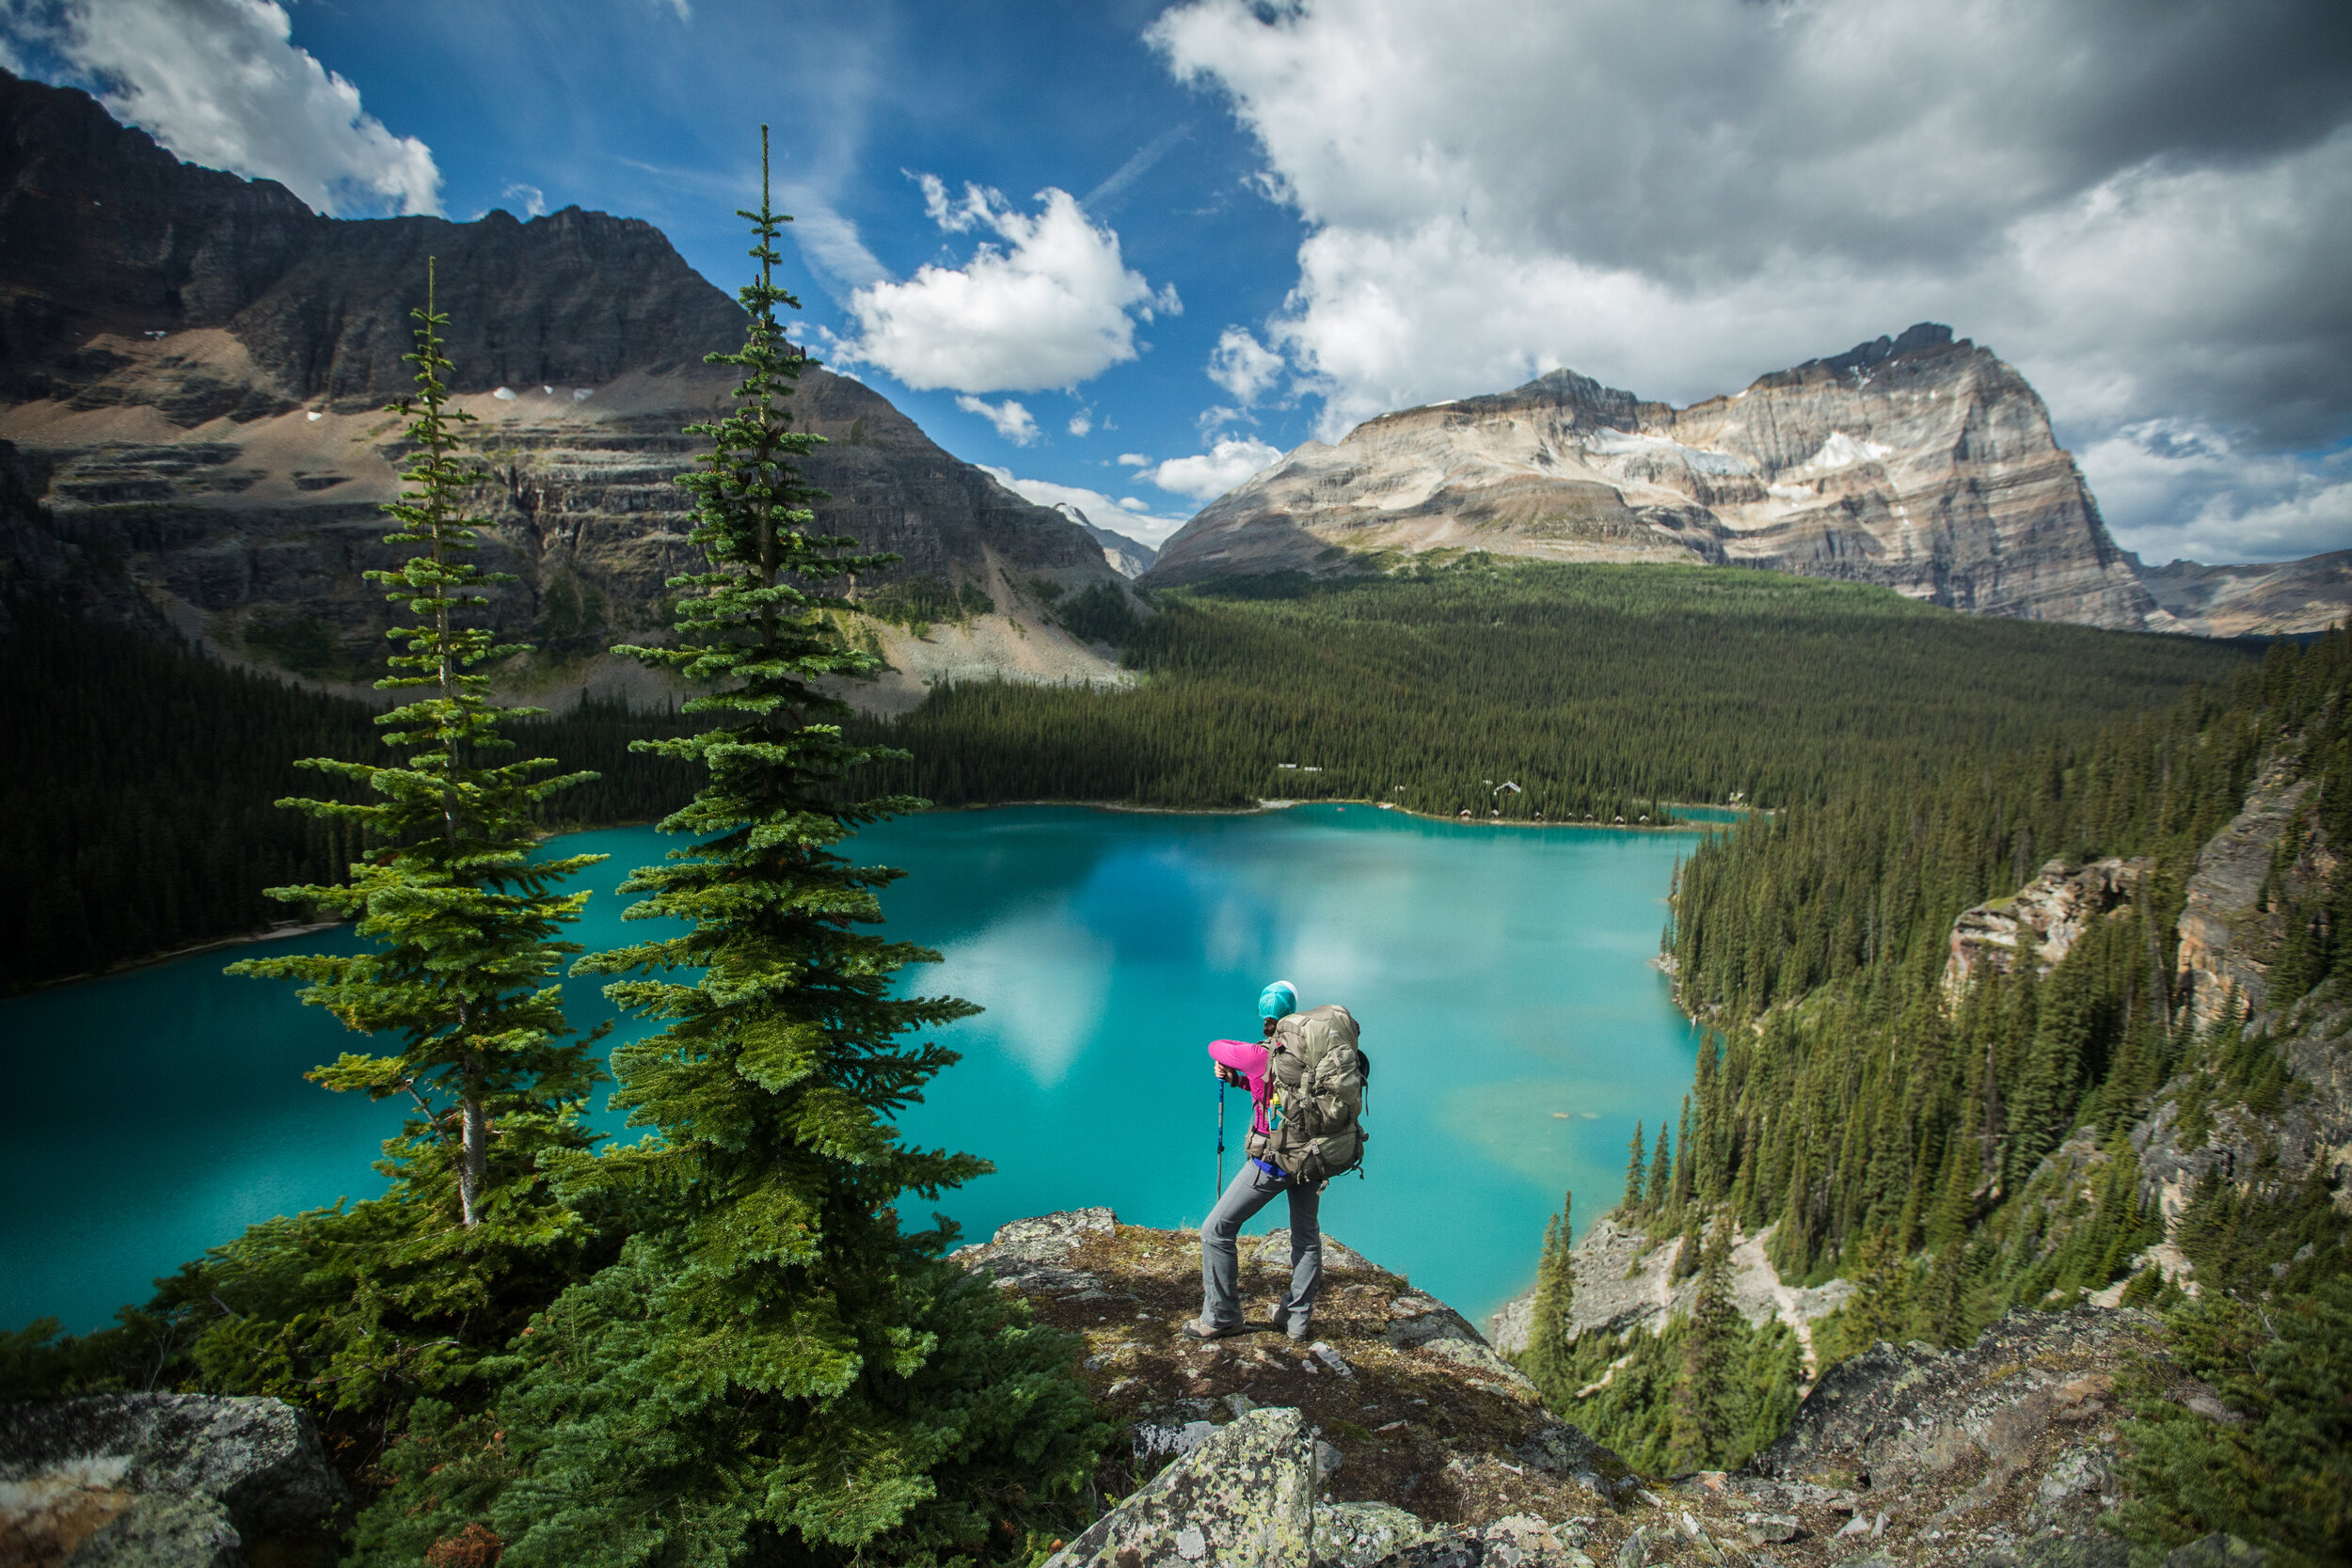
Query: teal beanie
1278, 1000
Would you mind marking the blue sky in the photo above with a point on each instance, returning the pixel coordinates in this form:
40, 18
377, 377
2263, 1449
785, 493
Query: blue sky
1278, 218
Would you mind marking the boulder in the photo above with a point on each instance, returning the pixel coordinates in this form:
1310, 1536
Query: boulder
1241, 1498
1357, 1535
1520, 1541
162, 1478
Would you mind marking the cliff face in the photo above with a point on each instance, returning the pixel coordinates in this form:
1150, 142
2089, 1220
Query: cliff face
1398, 1439
195, 365
1920, 464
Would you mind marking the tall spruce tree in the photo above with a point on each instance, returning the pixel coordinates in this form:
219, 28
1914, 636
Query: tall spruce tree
1551, 1330
1631, 1204
1706, 1402
362, 1309
774, 1369
466, 919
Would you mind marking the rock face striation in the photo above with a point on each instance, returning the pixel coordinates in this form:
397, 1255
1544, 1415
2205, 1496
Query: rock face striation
2041, 921
1918, 462
193, 370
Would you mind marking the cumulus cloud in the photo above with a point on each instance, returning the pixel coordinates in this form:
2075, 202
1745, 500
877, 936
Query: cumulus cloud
1013, 421
1242, 365
220, 82
1134, 460
1129, 517
1052, 305
2192, 493
1082, 422
1211, 474
2145, 211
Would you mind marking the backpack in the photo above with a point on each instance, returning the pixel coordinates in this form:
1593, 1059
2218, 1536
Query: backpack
1318, 1075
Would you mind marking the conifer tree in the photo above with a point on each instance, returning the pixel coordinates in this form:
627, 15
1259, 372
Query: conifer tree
1632, 1204
1661, 1172
774, 1369
360, 1311
1707, 1407
1551, 1334
466, 921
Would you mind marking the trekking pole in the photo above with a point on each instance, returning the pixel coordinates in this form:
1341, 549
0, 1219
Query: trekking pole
1220, 1144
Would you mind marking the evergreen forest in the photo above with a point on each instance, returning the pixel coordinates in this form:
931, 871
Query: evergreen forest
158, 777
1961, 1145
1602, 691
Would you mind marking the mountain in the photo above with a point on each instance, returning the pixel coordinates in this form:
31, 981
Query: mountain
1919, 463
1130, 557
2283, 599
195, 365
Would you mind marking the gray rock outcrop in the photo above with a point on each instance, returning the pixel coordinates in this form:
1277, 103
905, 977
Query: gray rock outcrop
1918, 462
161, 1479
2041, 921
2229, 927
1243, 1498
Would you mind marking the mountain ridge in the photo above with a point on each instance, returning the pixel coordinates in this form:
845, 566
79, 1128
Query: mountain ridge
196, 367
1916, 462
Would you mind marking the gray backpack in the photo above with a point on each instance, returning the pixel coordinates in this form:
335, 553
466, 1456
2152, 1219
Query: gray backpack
1318, 1076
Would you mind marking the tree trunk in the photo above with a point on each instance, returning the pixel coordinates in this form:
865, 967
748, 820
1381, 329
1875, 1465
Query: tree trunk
473, 1160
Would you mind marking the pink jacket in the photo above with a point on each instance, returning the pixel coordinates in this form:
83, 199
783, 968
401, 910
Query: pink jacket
1247, 1057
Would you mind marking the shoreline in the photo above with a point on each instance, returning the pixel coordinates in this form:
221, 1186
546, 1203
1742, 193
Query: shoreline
274, 933
1266, 805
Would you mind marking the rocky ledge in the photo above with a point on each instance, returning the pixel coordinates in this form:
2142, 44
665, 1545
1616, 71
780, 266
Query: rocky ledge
158, 1480
1397, 1438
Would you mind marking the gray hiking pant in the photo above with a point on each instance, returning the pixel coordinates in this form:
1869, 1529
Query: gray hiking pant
1252, 1190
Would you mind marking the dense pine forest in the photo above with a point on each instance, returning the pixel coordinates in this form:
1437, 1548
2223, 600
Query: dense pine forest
156, 780
1961, 1149
1601, 692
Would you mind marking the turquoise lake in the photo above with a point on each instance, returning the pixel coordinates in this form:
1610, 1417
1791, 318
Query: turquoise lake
1502, 977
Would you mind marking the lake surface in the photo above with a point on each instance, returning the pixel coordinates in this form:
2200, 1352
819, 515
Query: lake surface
1501, 975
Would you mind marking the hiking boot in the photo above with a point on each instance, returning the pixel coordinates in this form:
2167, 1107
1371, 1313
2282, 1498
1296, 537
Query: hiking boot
1297, 1327
1201, 1328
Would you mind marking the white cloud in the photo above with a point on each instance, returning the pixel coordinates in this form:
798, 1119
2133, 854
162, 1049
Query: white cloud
220, 82
1013, 421
534, 200
1082, 422
1130, 516
2190, 493
1132, 504
2149, 218
1052, 306
830, 242
1242, 365
1137, 165
1134, 460
1211, 474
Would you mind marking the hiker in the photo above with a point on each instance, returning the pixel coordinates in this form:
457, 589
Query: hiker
1305, 1083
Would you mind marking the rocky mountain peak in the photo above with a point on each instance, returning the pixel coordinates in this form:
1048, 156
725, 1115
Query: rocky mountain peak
1922, 334
1919, 463
108, 234
193, 369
